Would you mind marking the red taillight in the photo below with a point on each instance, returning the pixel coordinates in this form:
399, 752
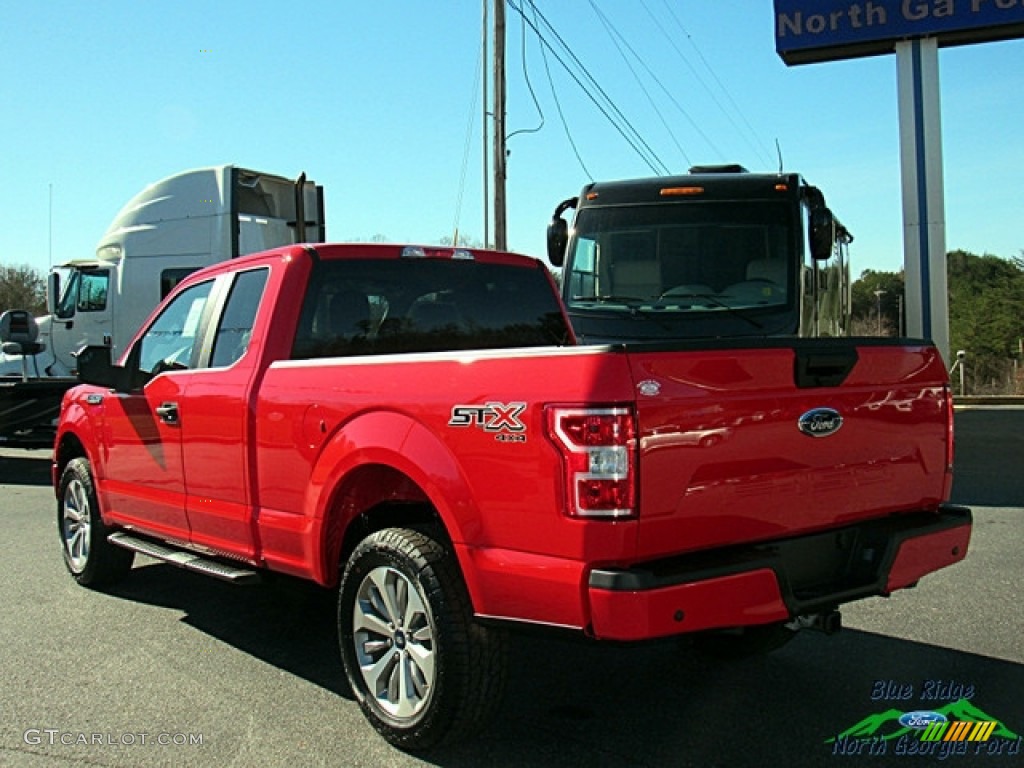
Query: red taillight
598, 446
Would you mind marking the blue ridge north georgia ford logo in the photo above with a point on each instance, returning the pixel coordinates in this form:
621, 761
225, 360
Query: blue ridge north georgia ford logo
820, 422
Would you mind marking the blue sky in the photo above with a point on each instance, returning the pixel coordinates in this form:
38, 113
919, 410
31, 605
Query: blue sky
373, 101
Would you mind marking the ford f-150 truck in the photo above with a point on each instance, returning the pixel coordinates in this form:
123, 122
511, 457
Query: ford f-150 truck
418, 429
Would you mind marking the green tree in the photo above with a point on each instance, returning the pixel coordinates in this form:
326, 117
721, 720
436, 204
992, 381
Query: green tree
874, 290
22, 287
986, 316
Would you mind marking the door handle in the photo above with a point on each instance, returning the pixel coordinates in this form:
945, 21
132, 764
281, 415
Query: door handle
168, 412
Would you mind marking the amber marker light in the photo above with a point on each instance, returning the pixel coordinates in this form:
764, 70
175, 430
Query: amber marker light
681, 191
781, 187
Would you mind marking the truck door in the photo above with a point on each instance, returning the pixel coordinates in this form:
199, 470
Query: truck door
83, 315
215, 423
143, 474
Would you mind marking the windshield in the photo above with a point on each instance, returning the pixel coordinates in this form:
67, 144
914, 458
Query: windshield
728, 267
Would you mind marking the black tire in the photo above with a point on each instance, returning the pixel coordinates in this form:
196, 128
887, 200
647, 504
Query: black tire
423, 671
740, 644
89, 557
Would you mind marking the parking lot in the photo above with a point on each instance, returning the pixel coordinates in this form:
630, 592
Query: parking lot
171, 668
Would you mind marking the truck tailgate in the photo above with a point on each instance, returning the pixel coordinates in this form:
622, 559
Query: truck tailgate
724, 460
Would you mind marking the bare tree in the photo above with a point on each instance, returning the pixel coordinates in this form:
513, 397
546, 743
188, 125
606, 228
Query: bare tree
22, 287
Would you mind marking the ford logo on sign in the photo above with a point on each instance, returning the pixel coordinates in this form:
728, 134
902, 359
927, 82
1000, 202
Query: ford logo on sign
921, 719
820, 422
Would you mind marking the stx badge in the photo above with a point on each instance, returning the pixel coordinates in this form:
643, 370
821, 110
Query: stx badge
501, 419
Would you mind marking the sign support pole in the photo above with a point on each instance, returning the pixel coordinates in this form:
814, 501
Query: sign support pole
924, 216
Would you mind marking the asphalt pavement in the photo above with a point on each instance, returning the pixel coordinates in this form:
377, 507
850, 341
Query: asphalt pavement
171, 668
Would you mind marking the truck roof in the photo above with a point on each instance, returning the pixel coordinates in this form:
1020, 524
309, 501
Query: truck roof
713, 186
356, 251
173, 197
396, 251
195, 194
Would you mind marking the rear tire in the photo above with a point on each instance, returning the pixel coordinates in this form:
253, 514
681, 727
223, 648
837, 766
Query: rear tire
423, 671
90, 559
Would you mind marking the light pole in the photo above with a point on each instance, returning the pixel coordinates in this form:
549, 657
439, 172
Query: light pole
878, 301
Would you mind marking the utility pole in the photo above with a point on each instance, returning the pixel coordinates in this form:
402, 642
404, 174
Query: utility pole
484, 33
50, 226
500, 236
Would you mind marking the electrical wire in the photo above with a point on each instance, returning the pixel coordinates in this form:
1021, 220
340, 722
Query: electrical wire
616, 36
529, 85
693, 70
620, 122
707, 65
561, 115
470, 122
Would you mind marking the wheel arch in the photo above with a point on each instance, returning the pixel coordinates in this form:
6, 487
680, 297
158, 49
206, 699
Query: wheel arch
76, 422
385, 470
68, 446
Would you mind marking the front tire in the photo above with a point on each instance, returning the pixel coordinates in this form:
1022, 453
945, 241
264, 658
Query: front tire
422, 669
90, 559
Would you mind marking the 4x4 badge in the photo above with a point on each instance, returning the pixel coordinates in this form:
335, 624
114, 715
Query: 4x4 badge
820, 422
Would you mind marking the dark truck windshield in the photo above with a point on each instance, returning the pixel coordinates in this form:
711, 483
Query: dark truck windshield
685, 270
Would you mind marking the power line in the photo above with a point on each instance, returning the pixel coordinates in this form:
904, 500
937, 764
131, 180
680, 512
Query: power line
616, 36
697, 76
608, 99
467, 144
682, 110
714, 75
529, 85
620, 123
561, 114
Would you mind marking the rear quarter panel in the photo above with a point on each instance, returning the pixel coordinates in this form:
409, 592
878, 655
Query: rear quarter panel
495, 487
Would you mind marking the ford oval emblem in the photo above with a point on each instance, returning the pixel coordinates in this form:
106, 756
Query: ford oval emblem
820, 422
921, 719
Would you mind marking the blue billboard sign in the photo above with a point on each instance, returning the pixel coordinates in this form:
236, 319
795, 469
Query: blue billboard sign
823, 30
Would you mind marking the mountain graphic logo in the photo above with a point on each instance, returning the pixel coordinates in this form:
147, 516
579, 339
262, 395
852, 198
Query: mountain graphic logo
885, 726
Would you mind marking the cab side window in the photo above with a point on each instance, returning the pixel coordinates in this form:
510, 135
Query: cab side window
170, 341
86, 292
169, 278
235, 327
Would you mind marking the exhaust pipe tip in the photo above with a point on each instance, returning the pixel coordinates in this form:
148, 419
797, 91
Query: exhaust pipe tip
828, 622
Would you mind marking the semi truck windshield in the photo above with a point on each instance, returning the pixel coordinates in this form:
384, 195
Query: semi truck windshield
722, 268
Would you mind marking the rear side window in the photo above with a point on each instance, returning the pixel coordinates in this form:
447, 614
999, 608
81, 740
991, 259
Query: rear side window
389, 306
232, 339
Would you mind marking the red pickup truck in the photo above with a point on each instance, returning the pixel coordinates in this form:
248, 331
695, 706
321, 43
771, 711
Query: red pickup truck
418, 428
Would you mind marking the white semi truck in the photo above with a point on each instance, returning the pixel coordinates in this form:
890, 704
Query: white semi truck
168, 230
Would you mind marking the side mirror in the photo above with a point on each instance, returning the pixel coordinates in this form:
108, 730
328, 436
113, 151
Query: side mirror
822, 234
95, 367
558, 232
52, 292
558, 238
